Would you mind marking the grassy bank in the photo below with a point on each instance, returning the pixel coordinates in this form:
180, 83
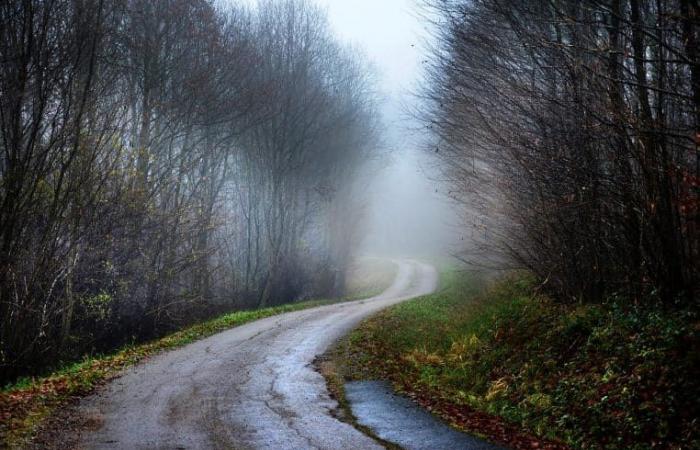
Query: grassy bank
519, 369
25, 405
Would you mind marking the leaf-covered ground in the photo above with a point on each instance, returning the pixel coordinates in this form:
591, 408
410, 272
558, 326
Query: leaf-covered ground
523, 371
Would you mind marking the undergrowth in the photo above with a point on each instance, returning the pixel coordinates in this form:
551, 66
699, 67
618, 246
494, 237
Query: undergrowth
614, 375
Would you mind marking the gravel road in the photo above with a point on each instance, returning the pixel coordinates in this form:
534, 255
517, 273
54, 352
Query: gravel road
250, 387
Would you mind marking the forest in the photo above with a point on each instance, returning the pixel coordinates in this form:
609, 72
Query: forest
174, 173
569, 131
162, 162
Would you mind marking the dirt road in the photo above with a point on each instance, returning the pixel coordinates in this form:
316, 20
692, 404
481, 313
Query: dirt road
250, 387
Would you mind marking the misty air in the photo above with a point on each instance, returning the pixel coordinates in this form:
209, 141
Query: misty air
350, 224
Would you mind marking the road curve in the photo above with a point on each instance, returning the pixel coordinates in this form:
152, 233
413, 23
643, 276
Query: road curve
253, 386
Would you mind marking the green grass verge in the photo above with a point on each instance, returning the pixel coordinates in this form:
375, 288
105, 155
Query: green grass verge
26, 404
615, 376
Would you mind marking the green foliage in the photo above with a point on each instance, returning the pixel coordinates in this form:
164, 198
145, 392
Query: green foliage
615, 375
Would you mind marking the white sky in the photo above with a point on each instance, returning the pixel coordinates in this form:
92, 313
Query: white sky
406, 211
392, 36
388, 31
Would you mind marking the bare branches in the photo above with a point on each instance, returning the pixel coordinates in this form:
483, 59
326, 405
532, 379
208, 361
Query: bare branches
579, 122
161, 161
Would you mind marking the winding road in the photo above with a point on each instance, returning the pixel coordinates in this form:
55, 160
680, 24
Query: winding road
253, 386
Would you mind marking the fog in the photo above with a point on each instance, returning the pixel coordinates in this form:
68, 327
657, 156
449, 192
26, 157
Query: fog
405, 207
408, 215
409, 212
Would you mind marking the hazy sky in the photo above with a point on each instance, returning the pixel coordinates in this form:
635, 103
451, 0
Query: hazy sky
407, 212
392, 36
388, 31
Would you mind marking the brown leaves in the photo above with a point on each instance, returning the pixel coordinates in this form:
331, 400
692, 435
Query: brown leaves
494, 428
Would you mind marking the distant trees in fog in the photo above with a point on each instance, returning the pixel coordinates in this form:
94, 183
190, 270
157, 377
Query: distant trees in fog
570, 129
164, 160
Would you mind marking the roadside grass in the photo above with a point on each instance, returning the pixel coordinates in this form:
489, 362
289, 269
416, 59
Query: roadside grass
26, 404
511, 365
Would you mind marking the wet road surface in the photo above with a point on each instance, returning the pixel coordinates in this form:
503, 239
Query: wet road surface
399, 420
251, 387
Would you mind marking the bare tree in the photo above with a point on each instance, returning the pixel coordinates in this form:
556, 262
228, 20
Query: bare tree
570, 130
163, 161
